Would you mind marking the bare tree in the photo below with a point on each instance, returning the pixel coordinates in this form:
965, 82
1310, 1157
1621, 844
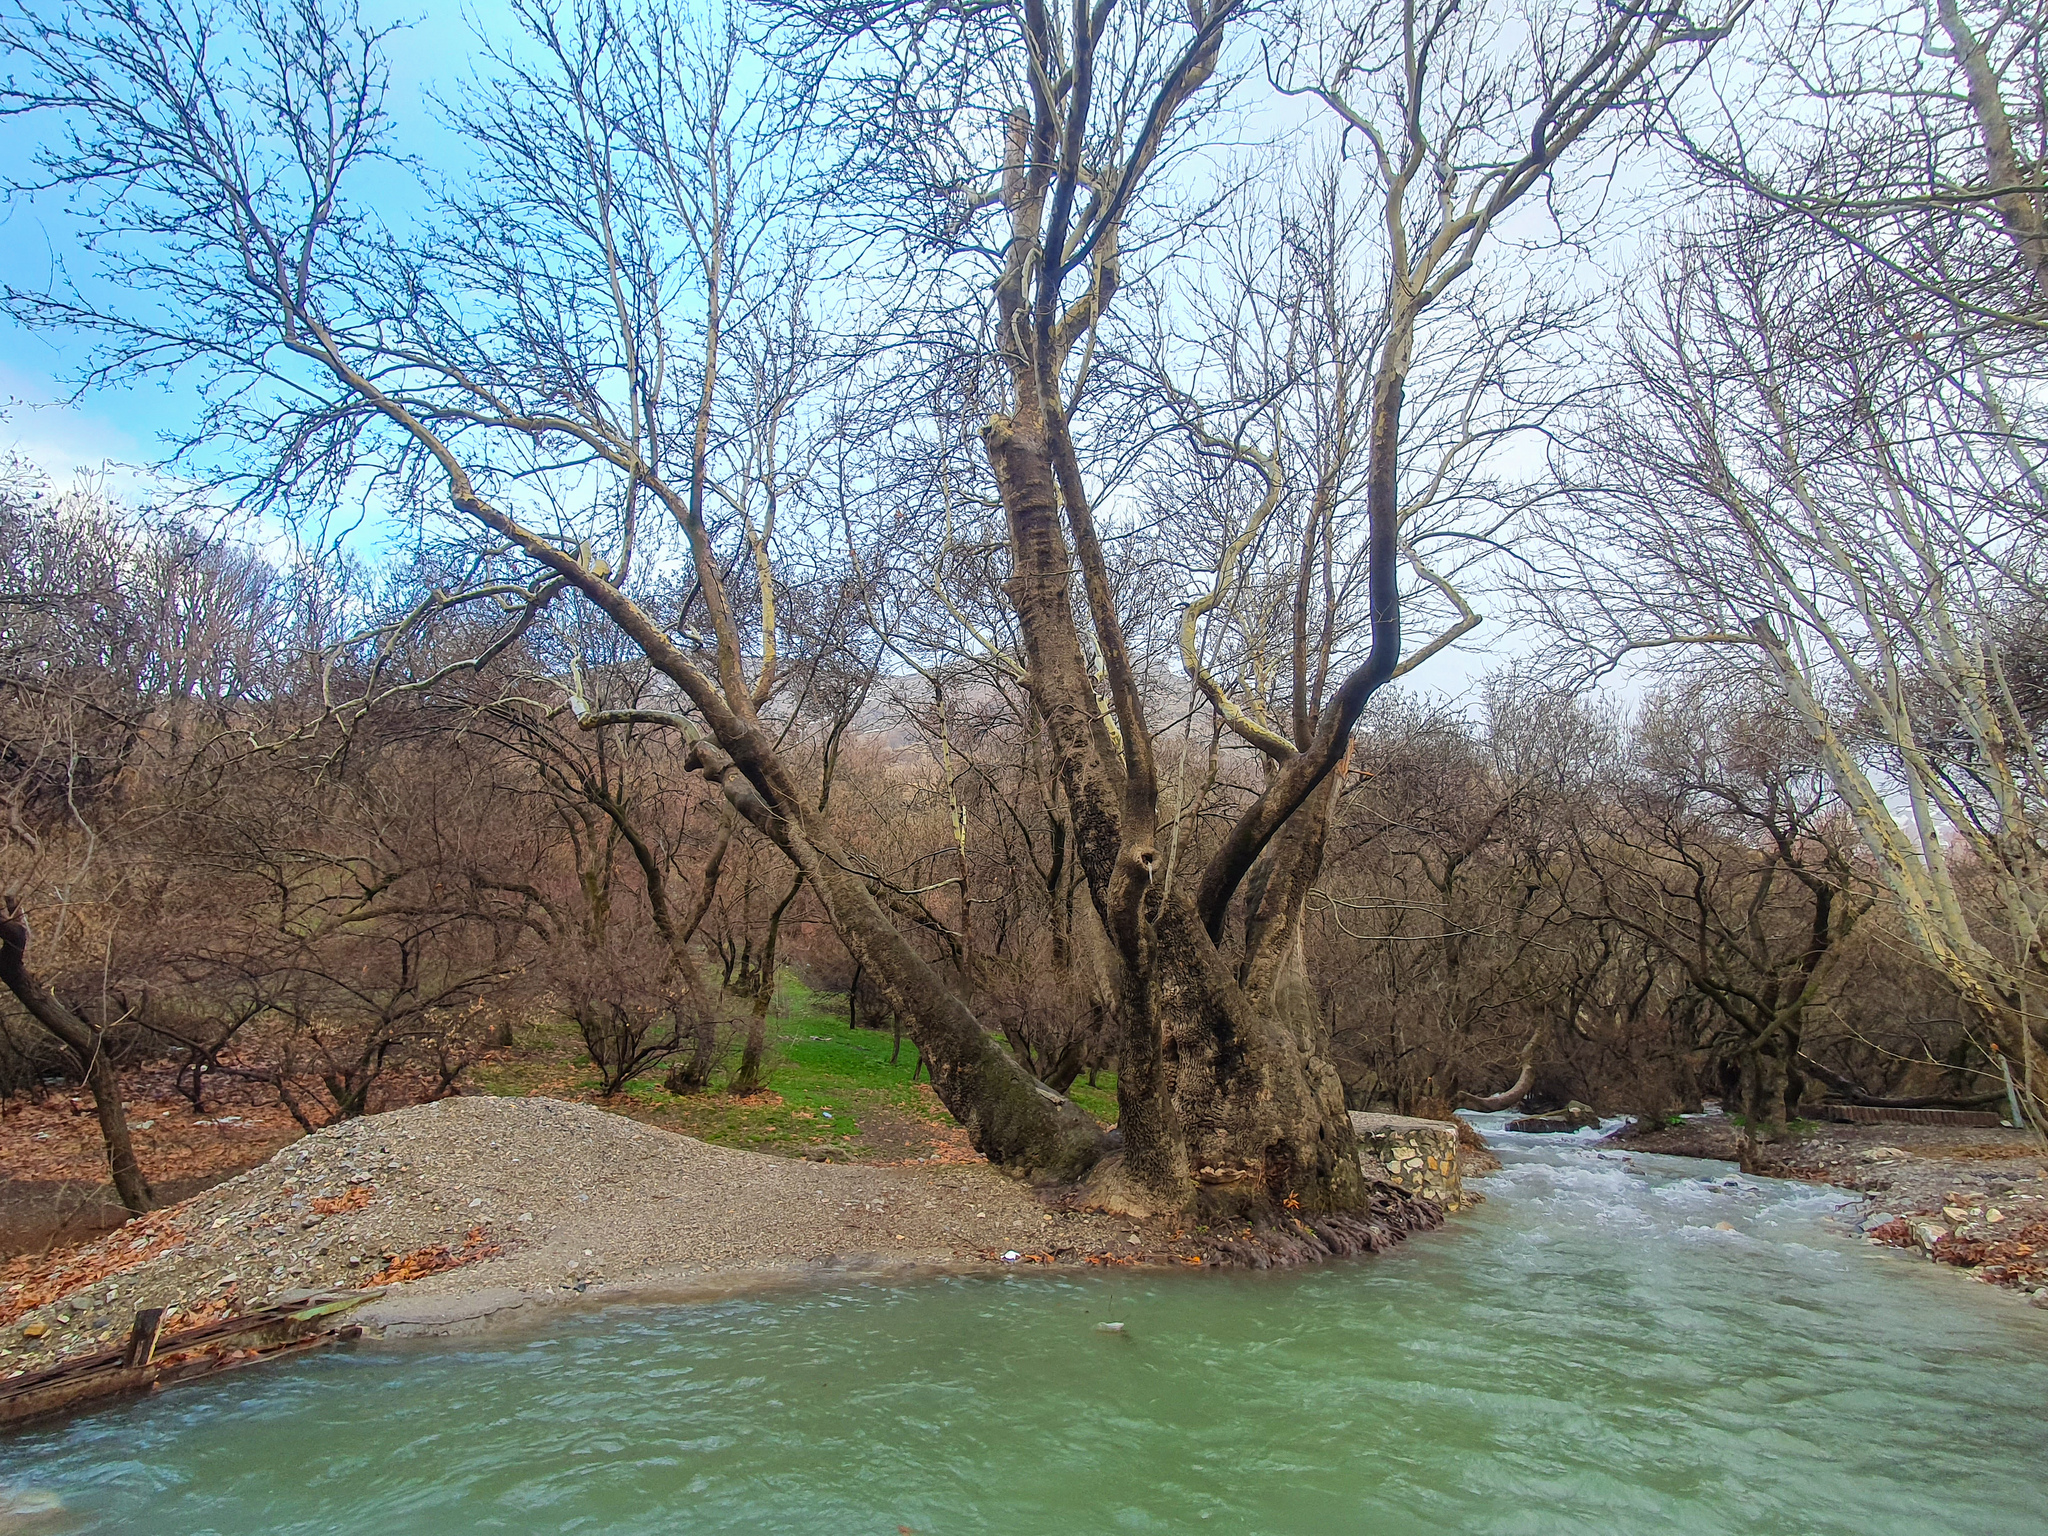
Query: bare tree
1728, 853
544, 364
1786, 483
124, 645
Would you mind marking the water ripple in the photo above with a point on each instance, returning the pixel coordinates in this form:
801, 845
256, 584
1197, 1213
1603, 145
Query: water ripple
1608, 1345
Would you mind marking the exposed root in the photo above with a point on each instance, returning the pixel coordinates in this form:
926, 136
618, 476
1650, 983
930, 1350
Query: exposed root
1390, 1216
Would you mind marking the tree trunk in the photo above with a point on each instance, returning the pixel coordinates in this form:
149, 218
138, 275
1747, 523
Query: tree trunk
86, 1046
1010, 1117
1516, 1091
1228, 1102
748, 1079
1761, 1090
1264, 1098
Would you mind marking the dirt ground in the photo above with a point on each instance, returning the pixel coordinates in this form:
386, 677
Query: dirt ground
1974, 1198
53, 1162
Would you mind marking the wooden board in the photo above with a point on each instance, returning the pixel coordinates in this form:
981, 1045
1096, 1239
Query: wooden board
1865, 1114
153, 1358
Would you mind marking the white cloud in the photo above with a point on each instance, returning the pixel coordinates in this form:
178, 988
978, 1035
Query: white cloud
66, 441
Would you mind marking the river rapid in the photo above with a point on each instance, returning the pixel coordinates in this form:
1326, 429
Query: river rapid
1611, 1344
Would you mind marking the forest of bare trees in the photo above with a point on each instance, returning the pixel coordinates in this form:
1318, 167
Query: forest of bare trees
1304, 558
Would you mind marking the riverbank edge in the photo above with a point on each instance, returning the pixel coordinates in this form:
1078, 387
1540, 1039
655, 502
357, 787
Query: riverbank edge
478, 1209
510, 1309
1972, 1199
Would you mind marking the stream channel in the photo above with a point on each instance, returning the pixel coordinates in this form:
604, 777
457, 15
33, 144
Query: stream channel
1611, 1344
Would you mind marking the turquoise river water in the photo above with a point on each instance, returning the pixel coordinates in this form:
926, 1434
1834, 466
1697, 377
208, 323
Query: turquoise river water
1591, 1351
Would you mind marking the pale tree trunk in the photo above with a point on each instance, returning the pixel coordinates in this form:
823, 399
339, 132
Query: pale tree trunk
2019, 197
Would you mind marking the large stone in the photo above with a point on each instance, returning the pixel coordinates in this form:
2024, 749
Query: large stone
1420, 1156
1926, 1233
1573, 1117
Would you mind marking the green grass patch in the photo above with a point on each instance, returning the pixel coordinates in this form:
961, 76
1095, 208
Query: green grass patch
835, 1084
1099, 1101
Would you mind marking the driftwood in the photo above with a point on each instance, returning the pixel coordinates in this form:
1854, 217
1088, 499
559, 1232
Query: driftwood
152, 1358
1518, 1090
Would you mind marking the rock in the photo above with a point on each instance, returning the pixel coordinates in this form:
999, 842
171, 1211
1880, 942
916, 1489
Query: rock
1926, 1233
1573, 1117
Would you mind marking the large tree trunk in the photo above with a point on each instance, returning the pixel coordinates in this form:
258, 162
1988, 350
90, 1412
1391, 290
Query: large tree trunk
86, 1046
1258, 1089
1229, 1105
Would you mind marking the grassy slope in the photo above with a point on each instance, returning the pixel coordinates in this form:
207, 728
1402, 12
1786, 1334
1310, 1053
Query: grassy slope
827, 1084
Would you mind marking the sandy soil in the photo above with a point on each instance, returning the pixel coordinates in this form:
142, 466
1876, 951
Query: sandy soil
471, 1208
1976, 1199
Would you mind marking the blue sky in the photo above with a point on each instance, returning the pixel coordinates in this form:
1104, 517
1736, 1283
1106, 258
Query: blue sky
121, 431
118, 432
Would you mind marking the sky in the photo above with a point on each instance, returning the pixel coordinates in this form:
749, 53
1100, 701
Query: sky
116, 433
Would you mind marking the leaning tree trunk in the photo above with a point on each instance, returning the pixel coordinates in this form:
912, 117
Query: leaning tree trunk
87, 1048
1010, 1117
1516, 1091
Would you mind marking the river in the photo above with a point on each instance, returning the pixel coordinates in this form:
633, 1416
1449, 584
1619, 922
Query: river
1609, 1345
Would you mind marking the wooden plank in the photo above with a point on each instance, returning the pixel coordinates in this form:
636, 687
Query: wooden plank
1870, 1114
152, 1359
149, 1324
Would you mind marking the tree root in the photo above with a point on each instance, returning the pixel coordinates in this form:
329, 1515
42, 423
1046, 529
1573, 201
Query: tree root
1388, 1219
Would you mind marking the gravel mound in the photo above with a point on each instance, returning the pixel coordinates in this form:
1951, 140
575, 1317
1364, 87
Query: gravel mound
470, 1206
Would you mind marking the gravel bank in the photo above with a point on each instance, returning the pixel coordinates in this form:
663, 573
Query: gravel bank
479, 1206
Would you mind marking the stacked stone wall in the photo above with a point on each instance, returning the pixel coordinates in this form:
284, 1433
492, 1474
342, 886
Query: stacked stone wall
1420, 1156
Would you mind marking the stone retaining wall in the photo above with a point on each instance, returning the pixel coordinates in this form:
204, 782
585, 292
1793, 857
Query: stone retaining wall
1421, 1156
